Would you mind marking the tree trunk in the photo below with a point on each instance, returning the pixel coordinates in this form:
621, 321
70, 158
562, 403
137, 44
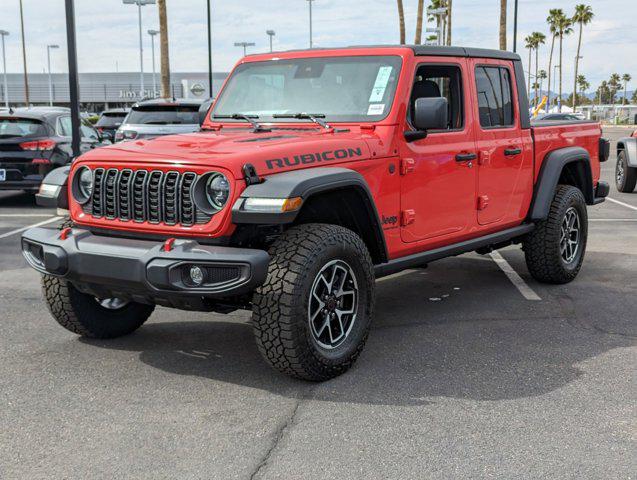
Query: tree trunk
625, 87
579, 45
503, 24
537, 50
548, 87
164, 54
401, 21
559, 98
448, 22
528, 76
418, 37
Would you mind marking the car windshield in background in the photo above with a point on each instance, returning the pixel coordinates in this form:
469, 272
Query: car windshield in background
111, 120
21, 128
163, 115
344, 89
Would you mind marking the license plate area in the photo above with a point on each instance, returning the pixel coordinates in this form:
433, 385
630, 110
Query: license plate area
3, 174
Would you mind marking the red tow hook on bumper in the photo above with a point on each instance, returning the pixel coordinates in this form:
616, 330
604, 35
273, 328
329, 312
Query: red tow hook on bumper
64, 234
168, 244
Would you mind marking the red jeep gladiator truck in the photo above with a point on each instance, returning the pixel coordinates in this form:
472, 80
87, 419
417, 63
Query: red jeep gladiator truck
315, 173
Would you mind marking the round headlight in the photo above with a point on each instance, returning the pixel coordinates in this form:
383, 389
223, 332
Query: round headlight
217, 190
85, 183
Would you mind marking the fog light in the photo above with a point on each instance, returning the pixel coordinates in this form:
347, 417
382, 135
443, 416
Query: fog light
196, 275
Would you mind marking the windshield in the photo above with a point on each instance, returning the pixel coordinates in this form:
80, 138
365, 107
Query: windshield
111, 119
344, 89
163, 115
21, 128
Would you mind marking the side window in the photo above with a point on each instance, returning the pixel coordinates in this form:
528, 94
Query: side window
64, 126
495, 105
440, 81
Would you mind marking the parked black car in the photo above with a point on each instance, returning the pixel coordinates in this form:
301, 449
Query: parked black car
33, 141
110, 121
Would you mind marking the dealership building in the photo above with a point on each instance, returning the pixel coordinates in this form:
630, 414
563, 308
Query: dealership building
99, 91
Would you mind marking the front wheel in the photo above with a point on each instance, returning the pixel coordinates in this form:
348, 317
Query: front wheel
554, 251
625, 176
312, 315
91, 317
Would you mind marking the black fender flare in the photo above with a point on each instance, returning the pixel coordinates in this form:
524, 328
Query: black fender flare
54, 192
305, 184
549, 176
629, 146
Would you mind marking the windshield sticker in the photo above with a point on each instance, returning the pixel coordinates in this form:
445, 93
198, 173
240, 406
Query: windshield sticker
376, 109
382, 79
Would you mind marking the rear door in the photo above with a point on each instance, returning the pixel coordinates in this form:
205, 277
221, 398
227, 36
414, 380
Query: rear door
505, 154
438, 176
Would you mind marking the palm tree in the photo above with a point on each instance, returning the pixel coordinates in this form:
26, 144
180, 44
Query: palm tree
625, 78
583, 84
417, 39
401, 21
602, 91
503, 25
538, 39
163, 46
448, 22
541, 76
552, 21
613, 86
563, 28
528, 43
583, 16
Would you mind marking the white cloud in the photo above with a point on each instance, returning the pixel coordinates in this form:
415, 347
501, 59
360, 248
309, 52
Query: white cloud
107, 30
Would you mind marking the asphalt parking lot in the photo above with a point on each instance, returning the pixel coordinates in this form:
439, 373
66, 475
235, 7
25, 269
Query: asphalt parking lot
465, 375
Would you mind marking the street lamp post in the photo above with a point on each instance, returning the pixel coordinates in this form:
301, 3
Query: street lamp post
244, 45
24, 58
140, 4
270, 33
48, 62
152, 34
310, 4
4, 33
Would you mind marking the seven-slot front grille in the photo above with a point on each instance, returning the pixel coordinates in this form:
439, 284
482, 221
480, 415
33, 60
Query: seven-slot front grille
145, 196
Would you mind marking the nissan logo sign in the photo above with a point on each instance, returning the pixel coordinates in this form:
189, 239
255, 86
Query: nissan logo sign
197, 89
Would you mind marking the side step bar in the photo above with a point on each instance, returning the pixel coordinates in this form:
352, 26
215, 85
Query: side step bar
423, 258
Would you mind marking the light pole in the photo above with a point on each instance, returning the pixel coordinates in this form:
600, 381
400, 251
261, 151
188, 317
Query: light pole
48, 62
152, 34
244, 45
559, 100
270, 33
4, 33
440, 14
310, 4
515, 26
140, 4
210, 84
24, 58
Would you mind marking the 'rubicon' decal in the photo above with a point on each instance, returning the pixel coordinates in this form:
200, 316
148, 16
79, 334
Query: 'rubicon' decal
326, 156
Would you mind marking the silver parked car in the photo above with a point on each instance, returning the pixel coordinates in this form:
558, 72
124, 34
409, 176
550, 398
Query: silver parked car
161, 116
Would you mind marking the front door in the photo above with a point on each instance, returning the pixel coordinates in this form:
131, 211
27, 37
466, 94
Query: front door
438, 173
505, 164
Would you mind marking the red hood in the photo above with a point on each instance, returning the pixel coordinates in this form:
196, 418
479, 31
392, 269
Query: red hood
271, 152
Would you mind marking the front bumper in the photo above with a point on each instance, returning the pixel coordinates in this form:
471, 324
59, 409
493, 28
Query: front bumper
144, 271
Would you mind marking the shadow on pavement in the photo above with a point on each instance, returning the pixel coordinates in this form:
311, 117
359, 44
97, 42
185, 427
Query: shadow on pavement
17, 198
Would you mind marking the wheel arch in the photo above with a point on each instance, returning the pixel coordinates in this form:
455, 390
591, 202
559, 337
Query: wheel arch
568, 166
629, 146
337, 196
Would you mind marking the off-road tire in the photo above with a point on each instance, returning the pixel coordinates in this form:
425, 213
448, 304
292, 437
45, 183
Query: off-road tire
629, 179
280, 306
542, 246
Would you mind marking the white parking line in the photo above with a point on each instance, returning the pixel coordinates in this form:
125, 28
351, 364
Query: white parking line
612, 219
11, 215
516, 280
621, 203
18, 230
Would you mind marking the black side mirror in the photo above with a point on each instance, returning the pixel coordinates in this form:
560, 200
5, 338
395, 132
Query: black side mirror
431, 113
203, 111
106, 136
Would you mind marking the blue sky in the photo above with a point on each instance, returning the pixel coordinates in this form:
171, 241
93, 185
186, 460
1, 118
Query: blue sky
107, 31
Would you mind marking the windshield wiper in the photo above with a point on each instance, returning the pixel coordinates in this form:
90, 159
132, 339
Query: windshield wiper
314, 117
256, 127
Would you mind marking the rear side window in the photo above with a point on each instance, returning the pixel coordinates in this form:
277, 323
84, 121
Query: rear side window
21, 128
164, 115
495, 104
110, 119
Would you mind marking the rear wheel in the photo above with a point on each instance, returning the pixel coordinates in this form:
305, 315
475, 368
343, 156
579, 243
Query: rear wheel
312, 316
555, 250
625, 176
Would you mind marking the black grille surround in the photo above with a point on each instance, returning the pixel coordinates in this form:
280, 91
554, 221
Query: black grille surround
143, 195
